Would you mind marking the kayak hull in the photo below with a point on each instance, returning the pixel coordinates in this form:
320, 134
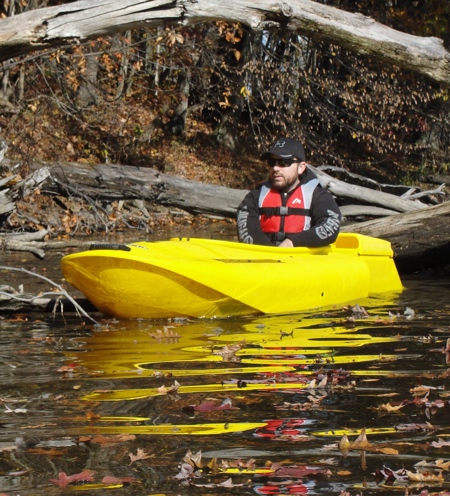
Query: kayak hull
216, 279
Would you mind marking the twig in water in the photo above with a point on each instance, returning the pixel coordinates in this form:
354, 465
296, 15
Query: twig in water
63, 292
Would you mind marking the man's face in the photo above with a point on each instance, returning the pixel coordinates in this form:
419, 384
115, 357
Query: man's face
283, 174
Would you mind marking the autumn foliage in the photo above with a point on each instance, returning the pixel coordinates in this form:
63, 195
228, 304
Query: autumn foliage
201, 101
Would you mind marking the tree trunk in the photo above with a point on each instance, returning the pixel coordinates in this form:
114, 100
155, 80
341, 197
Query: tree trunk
87, 93
177, 123
83, 20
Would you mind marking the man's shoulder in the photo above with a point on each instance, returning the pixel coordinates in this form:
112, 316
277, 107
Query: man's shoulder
256, 190
308, 175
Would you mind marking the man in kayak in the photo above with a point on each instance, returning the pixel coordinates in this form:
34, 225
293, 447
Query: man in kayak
291, 209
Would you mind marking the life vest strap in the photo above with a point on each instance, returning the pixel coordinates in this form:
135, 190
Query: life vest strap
283, 211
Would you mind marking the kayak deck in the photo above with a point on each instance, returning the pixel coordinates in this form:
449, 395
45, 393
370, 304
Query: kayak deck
212, 278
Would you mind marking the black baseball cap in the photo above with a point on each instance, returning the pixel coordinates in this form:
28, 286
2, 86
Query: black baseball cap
286, 148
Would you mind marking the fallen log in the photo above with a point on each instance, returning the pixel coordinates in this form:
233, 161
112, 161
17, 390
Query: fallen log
438, 179
19, 188
343, 189
365, 211
122, 182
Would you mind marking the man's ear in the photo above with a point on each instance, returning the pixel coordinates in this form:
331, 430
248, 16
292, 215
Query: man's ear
301, 167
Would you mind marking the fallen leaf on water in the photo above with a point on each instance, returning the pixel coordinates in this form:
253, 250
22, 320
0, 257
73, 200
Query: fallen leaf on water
440, 443
64, 479
415, 427
387, 451
100, 439
109, 479
92, 416
240, 464
440, 464
361, 441
420, 390
140, 455
167, 334
211, 406
228, 352
173, 389
226, 483
391, 408
344, 444
194, 460
424, 477
48, 451
299, 471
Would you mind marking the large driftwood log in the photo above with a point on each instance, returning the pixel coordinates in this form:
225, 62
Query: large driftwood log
122, 182
12, 188
342, 189
82, 20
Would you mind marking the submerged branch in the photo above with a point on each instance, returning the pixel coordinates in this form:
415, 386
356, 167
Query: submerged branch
61, 291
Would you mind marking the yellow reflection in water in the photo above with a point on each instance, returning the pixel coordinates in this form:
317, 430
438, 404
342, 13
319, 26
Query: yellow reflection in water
179, 429
260, 345
274, 352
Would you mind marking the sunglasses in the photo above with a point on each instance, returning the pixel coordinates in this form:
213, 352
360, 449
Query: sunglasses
281, 162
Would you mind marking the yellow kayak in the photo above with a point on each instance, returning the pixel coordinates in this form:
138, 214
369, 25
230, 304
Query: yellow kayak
212, 278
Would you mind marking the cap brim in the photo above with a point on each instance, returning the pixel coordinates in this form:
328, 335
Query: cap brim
268, 154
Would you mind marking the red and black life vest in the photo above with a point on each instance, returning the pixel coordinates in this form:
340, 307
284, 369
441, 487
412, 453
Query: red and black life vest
281, 215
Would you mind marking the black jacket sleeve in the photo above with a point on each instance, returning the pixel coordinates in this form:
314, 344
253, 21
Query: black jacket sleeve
248, 226
325, 221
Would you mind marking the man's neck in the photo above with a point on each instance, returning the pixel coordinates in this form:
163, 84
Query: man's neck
290, 188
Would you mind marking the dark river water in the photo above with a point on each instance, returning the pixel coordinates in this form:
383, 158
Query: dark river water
346, 401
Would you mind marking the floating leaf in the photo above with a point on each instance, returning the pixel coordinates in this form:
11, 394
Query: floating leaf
109, 480
424, 477
387, 451
64, 479
140, 455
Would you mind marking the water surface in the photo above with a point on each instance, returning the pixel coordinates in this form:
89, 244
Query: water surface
254, 405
